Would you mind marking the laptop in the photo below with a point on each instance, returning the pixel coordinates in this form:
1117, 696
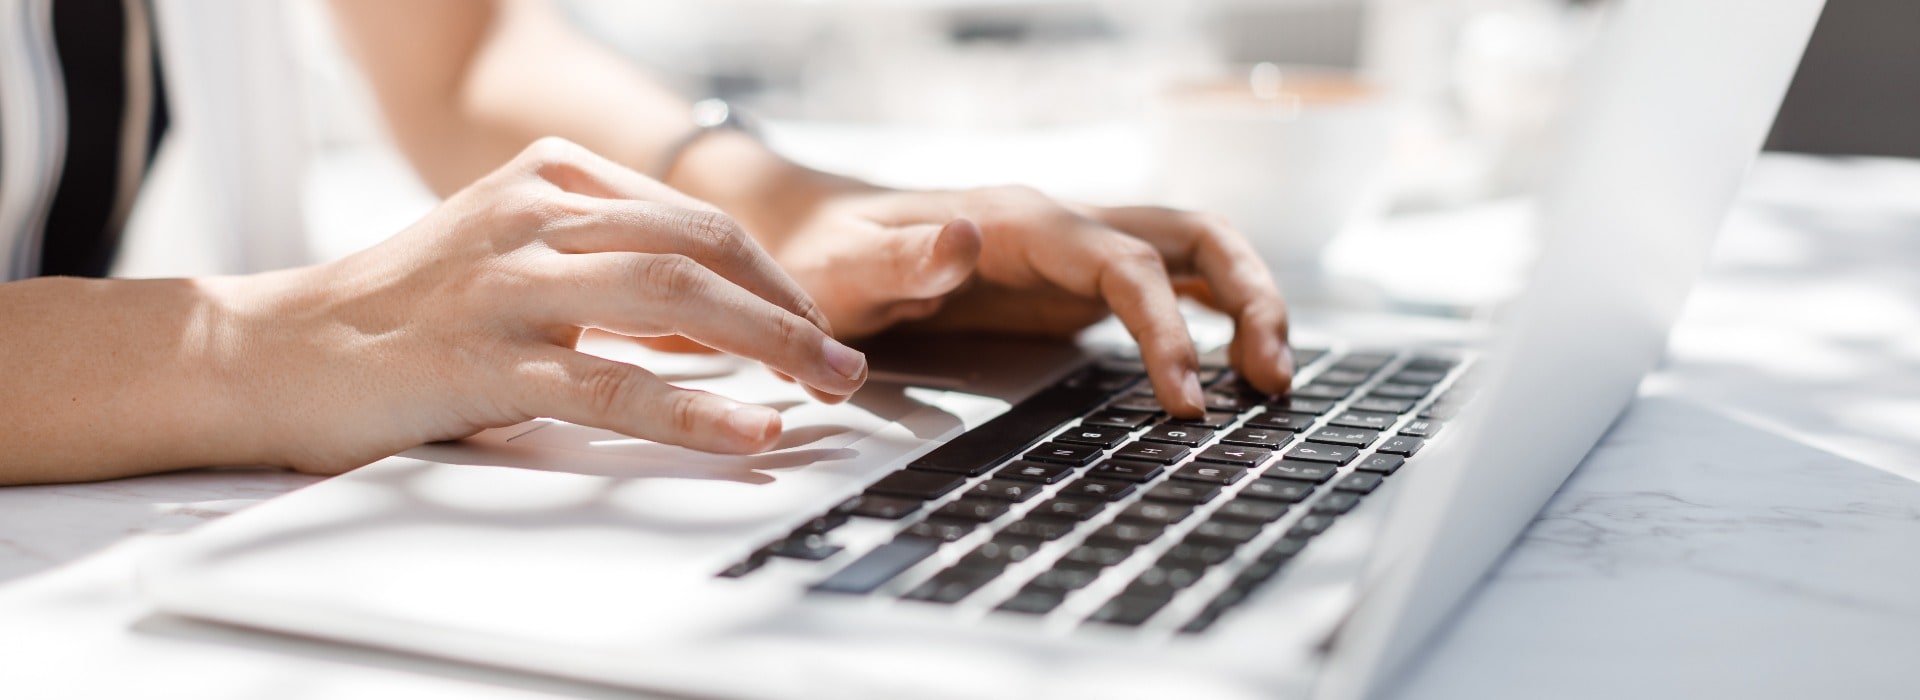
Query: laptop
1002, 518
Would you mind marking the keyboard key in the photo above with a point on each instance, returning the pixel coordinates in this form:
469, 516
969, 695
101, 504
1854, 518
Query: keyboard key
1101, 554
942, 529
1421, 428
748, 565
1169, 576
1001, 551
1303, 471
951, 585
884, 507
1344, 436
1336, 503
1433, 363
1203, 553
1257, 573
916, 484
1442, 411
1042, 528
1283, 549
1234, 455
1131, 534
824, 523
1365, 361
1312, 524
1121, 419
1264, 438
1102, 489
1300, 404
1317, 390
1129, 610
1316, 452
1188, 435
878, 566
1127, 470
1366, 420
1401, 391
977, 450
1159, 513
1063, 453
1281, 490
1152, 452
1141, 404
1190, 492
1229, 401
1343, 376
1212, 419
1418, 376
1251, 510
1070, 508
1402, 445
805, 547
1033, 601
1224, 530
1034, 471
1381, 464
1281, 420
1006, 490
1383, 404
1210, 473
975, 508
1066, 576
1101, 436
1358, 482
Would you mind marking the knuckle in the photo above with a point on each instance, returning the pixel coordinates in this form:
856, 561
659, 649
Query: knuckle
672, 277
1133, 252
550, 150
684, 412
715, 230
608, 387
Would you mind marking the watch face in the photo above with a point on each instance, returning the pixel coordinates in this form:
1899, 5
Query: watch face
711, 112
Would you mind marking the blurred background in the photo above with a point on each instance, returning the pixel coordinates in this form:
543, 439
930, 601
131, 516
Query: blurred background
1307, 122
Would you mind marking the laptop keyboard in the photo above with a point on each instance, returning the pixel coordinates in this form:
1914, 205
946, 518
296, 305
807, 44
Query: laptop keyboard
1088, 503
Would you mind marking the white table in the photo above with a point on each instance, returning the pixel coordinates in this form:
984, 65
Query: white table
1750, 528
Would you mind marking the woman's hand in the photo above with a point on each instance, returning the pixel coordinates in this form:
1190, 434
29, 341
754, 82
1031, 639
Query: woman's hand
467, 320
1012, 259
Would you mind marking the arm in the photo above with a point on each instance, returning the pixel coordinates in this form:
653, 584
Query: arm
501, 72
466, 320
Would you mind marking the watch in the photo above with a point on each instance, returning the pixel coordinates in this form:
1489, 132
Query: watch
709, 115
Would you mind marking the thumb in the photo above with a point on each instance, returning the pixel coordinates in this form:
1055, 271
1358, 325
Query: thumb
926, 261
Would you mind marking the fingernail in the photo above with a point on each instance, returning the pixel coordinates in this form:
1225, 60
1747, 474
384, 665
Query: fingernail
848, 362
756, 424
1190, 388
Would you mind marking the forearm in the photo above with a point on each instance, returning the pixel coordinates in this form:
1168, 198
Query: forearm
108, 378
496, 76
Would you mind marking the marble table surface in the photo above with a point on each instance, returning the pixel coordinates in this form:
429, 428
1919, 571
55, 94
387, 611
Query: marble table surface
1749, 528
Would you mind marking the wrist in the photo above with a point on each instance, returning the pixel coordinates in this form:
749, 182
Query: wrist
767, 194
251, 356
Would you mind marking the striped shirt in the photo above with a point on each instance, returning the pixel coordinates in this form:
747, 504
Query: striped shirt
82, 110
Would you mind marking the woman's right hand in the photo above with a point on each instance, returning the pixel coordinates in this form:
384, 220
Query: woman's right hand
468, 319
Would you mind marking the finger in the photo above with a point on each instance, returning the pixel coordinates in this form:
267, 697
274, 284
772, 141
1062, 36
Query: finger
573, 168
1136, 285
1238, 281
1095, 261
710, 237
644, 294
579, 388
